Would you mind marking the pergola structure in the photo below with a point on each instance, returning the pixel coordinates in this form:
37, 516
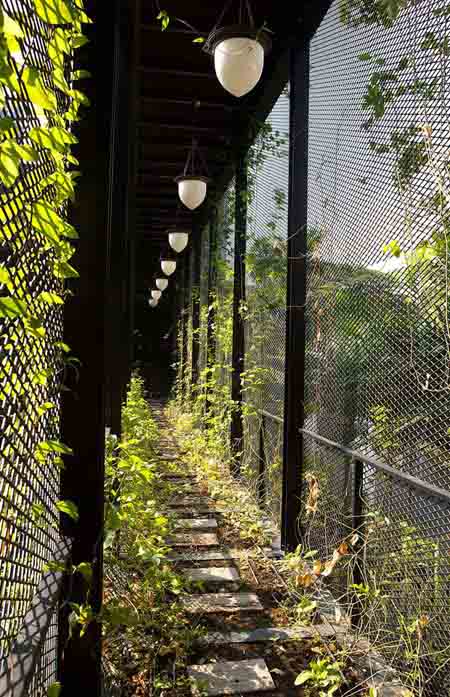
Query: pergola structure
348, 373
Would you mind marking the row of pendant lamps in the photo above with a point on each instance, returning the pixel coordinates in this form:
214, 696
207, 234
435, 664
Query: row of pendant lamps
238, 52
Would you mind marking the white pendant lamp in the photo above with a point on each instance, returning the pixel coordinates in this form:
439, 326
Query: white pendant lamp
168, 266
156, 294
239, 62
193, 184
162, 283
178, 241
238, 50
192, 190
153, 302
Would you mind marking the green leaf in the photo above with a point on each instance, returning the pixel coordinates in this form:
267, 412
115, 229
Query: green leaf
46, 406
12, 307
50, 298
85, 569
304, 676
55, 11
11, 155
6, 124
62, 346
393, 248
54, 138
36, 90
54, 690
69, 508
5, 276
79, 40
46, 221
54, 446
9, 26
365, 57
81, 74
63, 183
62, 269
59, 47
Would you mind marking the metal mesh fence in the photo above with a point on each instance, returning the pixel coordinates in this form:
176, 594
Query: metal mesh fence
265, 314
31, 365
377, 344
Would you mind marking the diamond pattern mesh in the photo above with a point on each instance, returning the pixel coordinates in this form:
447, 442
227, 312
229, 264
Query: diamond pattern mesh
377, 317
265, 316
31, 371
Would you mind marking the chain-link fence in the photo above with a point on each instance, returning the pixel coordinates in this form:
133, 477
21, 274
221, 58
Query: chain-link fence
265, 309
377, 319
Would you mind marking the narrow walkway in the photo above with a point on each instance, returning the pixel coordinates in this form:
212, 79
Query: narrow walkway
246, 647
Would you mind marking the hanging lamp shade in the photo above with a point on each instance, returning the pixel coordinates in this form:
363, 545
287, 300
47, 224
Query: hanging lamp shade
178, 241
192, 190
156, 294
161, 283
239, 51
193, 184
153, 302
168, 266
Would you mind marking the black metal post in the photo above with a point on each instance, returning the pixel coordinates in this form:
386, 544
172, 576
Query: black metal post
261, 489
357, 523
83, 410
237, 426
212, 290
296, 297
196, 264
185, 322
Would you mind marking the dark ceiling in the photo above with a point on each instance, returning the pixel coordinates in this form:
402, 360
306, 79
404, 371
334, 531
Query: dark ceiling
168, 74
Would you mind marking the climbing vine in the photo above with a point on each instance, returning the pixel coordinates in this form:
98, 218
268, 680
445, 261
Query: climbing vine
39, 104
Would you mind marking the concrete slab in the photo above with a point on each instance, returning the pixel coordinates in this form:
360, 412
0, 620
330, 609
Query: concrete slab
208, 555
265, 634
232, 677
193, 539
221, 602
213, 573
181, 502
196, 524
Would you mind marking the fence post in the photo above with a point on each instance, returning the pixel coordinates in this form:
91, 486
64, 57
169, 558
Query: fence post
261, 489
185, 320
212, 289
357, 522
237, 426
83, 408
196, 268
293, 466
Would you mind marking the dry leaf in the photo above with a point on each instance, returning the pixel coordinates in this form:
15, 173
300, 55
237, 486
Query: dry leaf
317, 567
313, 493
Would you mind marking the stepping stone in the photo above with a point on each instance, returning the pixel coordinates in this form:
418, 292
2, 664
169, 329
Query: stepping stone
213, 573
221, 602
189, 501
232, 677
196, 539
266, 634
208, 555
196, 523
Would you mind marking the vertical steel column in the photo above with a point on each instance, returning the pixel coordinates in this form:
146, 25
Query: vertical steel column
185, 321
212, 290
83, 408
237, 426
296, 296
196, 268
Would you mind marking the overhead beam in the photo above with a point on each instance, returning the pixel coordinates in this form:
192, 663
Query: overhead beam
182, 127
175, 72
222, 106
